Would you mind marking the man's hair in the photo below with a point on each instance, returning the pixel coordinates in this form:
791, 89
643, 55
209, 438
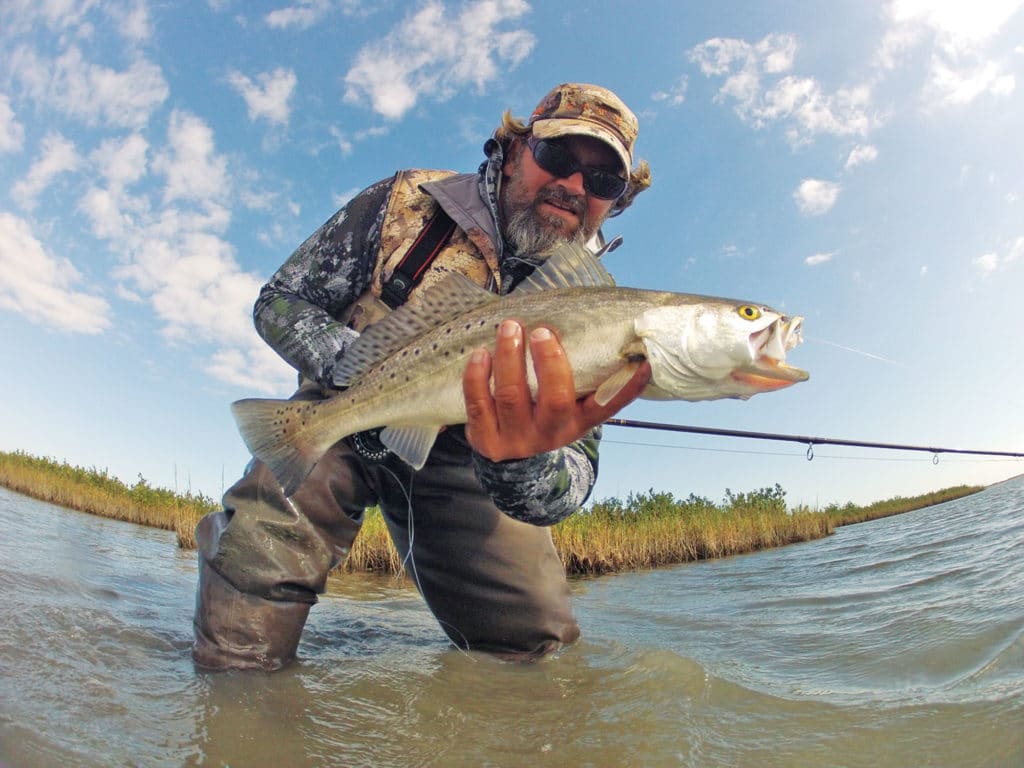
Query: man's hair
512, 129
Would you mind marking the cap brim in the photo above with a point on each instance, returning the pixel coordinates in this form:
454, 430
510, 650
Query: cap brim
565, 126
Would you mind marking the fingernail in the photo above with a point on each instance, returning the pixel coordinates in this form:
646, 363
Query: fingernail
478, 356
509, 328
540, 334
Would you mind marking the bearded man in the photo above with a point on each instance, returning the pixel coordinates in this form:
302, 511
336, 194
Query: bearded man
472, 523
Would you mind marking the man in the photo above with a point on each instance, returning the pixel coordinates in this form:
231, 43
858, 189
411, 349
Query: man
474, 516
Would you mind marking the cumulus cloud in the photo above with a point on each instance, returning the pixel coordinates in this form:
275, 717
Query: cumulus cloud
960, 69
860, 154
192, 168
57, 155
819, 258
173, 254
815, 197
302, 14
756, 83
989, 263
433, 52
268, 97
675, 95
43, 287
92, 93
12, 133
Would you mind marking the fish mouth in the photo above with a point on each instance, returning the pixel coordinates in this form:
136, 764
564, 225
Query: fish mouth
768, 369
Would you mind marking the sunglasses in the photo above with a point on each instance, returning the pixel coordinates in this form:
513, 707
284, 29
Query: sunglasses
557, 160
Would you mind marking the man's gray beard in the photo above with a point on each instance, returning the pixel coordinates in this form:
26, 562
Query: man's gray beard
526, 232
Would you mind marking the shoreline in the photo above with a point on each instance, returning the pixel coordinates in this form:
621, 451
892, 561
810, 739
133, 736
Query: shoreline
609, 536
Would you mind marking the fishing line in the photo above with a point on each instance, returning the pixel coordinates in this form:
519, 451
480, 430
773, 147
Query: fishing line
411, 560
855, 351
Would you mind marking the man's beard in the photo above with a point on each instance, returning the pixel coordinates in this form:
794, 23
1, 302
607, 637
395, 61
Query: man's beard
531, 233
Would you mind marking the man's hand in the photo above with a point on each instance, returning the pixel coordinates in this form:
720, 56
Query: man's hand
509, 424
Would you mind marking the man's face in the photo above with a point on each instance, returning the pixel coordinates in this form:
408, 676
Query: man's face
540, 210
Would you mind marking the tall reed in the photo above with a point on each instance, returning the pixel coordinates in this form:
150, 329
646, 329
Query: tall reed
643, 531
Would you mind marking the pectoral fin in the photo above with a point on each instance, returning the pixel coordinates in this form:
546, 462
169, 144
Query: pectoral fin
411, 444
614, 383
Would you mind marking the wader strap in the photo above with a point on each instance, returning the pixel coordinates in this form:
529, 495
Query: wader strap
431, 239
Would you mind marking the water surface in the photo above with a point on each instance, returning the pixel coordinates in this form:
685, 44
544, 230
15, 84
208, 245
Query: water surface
898, 642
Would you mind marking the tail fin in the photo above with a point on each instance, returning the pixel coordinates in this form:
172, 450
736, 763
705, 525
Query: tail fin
263, 425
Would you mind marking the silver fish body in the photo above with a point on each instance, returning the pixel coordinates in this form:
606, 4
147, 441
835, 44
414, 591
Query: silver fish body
405, 372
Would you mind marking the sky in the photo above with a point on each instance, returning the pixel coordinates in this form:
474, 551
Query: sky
860, 164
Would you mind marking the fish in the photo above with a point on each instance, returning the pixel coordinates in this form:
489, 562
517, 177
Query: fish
404, 373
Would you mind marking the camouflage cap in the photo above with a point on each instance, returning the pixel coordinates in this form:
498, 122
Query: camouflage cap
573, 109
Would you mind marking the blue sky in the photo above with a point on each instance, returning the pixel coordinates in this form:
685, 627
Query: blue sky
858, 163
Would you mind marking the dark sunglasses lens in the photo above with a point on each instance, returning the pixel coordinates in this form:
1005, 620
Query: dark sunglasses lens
558, 161
604, 184
554, 159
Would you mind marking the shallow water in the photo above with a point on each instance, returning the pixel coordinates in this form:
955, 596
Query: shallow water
893, 643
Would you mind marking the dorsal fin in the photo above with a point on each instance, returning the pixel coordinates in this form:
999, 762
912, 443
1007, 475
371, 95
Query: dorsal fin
569, 266
452, 296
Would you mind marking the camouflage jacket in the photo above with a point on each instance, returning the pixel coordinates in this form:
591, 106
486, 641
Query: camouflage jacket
311, 308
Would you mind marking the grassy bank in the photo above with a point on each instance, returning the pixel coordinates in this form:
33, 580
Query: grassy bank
642, 531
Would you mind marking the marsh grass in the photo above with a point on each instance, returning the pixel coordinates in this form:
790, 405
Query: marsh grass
96, 492
643, 531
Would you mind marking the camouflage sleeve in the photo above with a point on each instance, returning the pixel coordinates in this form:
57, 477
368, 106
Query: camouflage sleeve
543, 489
297, 312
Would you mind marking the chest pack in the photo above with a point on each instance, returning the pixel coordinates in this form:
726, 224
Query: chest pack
430, 242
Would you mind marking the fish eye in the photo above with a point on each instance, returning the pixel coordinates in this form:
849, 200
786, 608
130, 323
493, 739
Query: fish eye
749, 312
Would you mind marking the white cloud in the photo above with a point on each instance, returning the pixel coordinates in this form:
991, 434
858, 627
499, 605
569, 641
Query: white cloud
121, 161
754, 82
302, 14
949, 86
675, 95
193, 170
961, 68
990, 263
57, 155
987, 262
432, 53
173, 255
268, 98
92, 93
814, 197
42, 287
860, 154
819, 258
12, 133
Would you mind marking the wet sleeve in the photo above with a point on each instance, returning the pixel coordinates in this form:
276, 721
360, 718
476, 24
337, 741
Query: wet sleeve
543, 489
297, 312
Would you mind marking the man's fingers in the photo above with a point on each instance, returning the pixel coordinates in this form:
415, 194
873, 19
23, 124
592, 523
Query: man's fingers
476, 390
512, 400
556, 392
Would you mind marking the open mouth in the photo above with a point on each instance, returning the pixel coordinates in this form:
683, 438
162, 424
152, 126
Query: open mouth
768, 347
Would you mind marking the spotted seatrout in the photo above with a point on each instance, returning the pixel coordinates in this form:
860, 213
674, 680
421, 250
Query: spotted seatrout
405, 372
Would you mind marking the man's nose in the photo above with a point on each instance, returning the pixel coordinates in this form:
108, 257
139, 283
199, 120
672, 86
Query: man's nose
573, 183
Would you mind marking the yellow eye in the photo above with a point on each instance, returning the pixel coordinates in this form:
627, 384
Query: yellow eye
749, 312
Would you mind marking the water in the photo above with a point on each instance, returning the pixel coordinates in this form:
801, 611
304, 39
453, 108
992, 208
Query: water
893, 643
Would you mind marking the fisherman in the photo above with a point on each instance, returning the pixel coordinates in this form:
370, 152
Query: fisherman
475, 516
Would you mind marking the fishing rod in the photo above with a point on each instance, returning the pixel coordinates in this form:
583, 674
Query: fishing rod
810, 442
